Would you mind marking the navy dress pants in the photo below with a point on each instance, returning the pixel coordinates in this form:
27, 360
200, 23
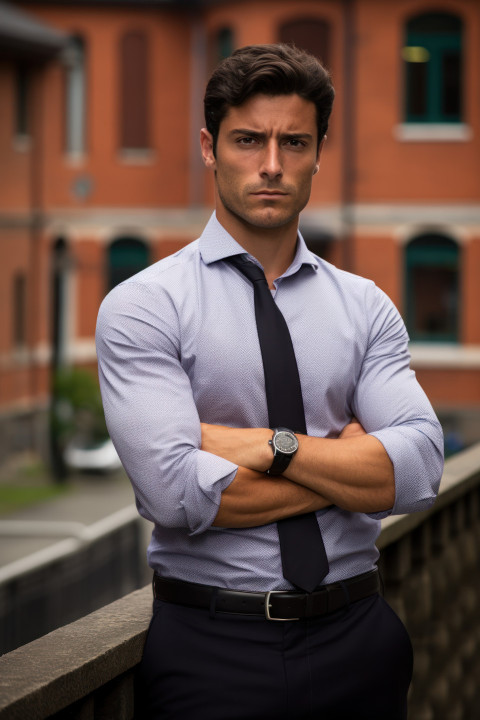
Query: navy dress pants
354, 664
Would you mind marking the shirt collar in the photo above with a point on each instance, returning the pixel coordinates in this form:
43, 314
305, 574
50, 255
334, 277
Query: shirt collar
217, 244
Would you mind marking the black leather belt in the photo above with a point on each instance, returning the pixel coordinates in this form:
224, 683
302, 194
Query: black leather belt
275, 604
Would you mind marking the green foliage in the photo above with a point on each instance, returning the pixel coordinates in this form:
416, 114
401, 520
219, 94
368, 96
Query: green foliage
17, 497
77, 410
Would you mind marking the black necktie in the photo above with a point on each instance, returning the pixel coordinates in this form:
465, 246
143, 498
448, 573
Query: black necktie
304, 560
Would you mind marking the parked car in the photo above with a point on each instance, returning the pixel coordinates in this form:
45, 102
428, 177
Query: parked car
101, 457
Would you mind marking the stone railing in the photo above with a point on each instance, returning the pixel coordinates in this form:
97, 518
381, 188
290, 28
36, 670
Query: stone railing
86, 567
429, 562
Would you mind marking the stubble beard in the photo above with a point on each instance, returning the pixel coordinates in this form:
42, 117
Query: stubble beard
266, 218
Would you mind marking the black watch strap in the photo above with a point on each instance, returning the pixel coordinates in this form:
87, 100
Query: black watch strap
280, 464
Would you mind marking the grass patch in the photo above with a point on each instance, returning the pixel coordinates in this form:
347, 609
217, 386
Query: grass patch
18, 497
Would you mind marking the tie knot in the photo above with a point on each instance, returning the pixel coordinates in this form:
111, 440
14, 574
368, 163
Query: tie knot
251, 271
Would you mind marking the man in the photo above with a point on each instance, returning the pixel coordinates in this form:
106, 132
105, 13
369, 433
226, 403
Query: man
187, 396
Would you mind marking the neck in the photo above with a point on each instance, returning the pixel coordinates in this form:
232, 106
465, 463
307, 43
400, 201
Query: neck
274, 248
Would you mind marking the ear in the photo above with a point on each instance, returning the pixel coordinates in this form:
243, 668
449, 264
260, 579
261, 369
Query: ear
206, 144
320, 148
317, 163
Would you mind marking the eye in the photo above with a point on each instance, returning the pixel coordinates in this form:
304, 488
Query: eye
296, 143
247, 140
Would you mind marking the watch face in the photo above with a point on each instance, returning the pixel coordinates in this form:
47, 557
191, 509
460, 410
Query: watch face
286, 442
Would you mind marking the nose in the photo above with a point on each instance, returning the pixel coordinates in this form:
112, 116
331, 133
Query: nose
271, 166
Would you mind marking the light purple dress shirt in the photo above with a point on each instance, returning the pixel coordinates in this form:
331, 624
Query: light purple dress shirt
177, 344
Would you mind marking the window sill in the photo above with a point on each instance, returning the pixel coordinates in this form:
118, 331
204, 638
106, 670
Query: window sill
20, 356
433, 132
75, 159
22, 143
444, 355
137, 156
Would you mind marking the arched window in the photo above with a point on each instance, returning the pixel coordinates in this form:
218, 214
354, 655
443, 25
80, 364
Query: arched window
134, 91
432, 288
126, 256
309, 34
19, 306
220, 46
75, 97
433, 69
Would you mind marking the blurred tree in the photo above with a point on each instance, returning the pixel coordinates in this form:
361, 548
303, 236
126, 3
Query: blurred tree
76, 414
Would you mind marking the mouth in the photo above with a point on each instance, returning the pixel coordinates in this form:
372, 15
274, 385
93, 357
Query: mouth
269, 194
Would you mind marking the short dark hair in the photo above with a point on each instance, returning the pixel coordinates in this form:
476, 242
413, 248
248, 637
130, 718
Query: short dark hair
278, 69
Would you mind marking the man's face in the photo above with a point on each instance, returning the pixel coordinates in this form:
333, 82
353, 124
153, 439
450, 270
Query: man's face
265, 159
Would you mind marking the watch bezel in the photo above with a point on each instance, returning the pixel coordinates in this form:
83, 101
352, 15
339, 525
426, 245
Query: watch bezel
278, 436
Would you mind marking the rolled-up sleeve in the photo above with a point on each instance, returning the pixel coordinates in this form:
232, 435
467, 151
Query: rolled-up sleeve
150, 411
392, 407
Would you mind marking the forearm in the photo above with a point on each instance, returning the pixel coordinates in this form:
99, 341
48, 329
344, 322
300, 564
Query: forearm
354, 473
254, 499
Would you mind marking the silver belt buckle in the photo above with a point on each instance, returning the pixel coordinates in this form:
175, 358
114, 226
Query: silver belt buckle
268, 606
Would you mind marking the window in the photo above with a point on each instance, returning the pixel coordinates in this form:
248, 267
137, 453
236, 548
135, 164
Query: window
309, 34
432, 289
126, 257
134, 91
75, 97
220, 46
19, 298
22, 96
224, 43
433, 69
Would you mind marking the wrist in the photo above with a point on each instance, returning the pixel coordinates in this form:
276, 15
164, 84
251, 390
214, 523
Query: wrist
265, 450
284, 445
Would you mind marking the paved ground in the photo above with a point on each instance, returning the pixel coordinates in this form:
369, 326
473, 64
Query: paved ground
87, 499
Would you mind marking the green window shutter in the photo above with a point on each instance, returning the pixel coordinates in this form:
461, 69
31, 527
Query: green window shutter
224, 43
433, 69
432, 289
126, 256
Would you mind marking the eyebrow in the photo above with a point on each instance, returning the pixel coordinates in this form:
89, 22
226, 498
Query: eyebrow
255, 133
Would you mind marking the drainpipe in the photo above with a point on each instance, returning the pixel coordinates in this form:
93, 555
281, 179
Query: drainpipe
347, 202
36, 227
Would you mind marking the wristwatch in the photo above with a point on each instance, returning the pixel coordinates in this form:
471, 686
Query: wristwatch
284, 445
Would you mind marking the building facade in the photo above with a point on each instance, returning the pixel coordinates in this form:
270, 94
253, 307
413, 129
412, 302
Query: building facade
101, 174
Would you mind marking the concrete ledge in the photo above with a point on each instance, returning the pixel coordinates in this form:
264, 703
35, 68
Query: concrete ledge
433, 132
48, 674
80, 537
445, 356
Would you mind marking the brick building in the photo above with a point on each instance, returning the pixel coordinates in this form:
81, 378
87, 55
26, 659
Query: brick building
100, 171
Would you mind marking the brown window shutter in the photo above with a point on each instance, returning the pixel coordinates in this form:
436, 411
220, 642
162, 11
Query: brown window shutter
134, 90
309, 34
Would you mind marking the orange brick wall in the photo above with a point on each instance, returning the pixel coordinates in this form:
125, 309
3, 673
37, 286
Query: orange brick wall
389, 170
15, 186
90, 265
470, 273
14, 259
454, 387
116, 183
385, 170
380, 259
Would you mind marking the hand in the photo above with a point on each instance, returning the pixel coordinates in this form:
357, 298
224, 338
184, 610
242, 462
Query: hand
247, 447
354, 428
